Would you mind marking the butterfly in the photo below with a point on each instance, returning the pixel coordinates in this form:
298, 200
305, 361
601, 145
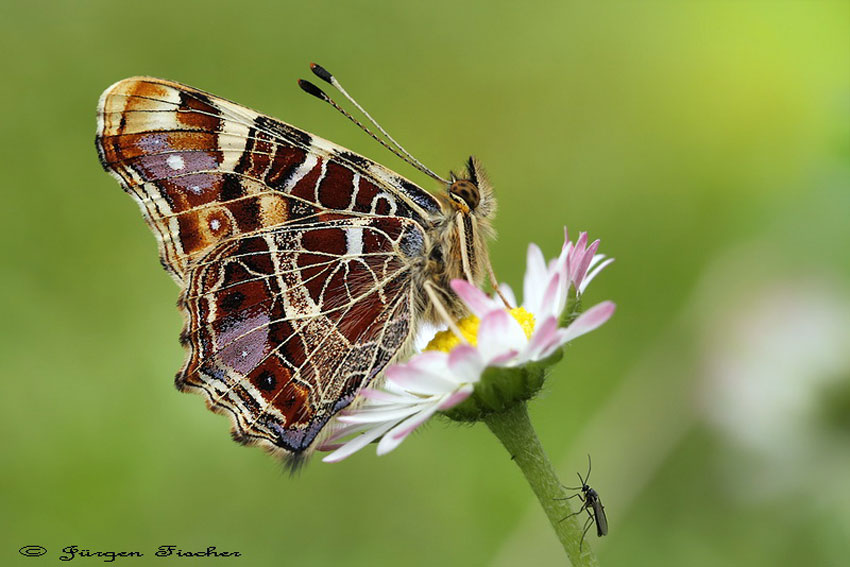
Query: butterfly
305, 268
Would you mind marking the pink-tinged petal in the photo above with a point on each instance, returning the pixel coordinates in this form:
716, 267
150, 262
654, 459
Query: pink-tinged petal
498, 334
585, 262
428, 361
454, 399
420, 381
465, 363
475, 299
588, 321
504, 358
357, 443
407, 427
576, 259
550, 347
544, 334
581, 243
535, 278
578, 251
593, 274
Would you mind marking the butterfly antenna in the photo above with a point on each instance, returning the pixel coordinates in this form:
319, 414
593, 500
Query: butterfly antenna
326, 76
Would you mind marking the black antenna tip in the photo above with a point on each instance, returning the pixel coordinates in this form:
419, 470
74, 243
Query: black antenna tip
321, 72
312, 89
470, 168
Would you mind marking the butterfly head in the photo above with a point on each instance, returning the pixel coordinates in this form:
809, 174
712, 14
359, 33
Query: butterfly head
471, 193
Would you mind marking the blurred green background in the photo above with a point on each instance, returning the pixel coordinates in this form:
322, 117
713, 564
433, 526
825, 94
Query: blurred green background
706, 143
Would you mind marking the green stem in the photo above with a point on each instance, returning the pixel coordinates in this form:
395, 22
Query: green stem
514, 430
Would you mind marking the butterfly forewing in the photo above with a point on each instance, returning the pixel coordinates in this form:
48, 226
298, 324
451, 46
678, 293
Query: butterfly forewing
296, 255
204, 169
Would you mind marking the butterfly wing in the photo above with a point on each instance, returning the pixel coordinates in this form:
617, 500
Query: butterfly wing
204, 169
285, 326
296, 255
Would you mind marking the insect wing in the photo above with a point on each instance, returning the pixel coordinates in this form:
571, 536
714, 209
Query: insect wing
599, 516
285, 326
204, 169
295, 254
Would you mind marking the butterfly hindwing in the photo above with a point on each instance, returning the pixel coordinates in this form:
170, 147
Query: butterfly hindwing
297, 257
284, 327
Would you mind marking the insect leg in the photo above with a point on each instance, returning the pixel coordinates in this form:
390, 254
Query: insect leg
495, 283
586, 527
580, 510
568, 497
441, 309
464, 257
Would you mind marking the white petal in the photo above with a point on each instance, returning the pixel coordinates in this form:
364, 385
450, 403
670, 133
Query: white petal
534, 283
339, 432
550, 298
588, 321
456, 398
394, 437
475, 299
424, 335
377, 397
357, 443
419, 380
379, 415
499, 334
592, 274
544, 333
581, 271
465, 363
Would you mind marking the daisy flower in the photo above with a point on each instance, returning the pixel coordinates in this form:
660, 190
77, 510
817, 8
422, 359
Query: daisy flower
450, 368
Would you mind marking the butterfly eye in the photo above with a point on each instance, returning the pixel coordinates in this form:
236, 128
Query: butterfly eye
465, 192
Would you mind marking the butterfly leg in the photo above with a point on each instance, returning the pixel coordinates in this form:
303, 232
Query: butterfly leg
441, 309
495, 283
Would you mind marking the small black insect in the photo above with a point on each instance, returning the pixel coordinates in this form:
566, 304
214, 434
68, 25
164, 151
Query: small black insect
591, 503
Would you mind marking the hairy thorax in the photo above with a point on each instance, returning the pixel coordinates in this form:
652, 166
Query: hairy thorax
458, 244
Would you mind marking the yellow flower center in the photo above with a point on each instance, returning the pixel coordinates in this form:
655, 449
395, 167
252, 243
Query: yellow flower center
447, 340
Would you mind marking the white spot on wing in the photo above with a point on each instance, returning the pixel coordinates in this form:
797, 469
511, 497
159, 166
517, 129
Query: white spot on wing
354, 241
215, 224
175, 162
